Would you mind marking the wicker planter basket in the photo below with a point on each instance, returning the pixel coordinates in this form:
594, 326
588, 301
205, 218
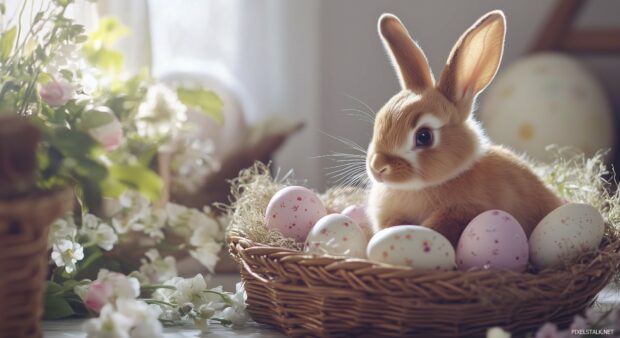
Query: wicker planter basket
305, 295
24, 225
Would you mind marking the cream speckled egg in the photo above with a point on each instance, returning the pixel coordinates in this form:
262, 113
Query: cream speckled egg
565, 233
293, 211
358, 214
493, 240
418, 247
337, 235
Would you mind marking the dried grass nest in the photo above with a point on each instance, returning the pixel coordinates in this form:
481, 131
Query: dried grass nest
572, 175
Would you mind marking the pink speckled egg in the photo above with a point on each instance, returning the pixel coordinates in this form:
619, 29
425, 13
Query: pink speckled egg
413, 246
493, 240
337, 235
293, 211
358, 214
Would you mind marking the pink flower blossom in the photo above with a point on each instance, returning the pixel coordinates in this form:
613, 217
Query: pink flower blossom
109, 135
99, 294
56, 92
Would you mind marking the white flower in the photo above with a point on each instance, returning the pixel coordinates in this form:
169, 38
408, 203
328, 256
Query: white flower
153, 224
134, 209
158, 269
67, 253
100, 234
62, 228
190, 290
161, 115
65, 57
129, 319
110, 324
497, 332
206, 228
123, 286
144, 317
207, 254
192, 162
236, 313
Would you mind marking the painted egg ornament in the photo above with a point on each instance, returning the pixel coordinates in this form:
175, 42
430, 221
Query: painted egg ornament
337, 235
544, 99
293, 211
493, 240
358, 214
414, 246
565, 233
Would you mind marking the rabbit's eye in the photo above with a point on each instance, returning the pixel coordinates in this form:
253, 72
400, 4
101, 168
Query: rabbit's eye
424, 137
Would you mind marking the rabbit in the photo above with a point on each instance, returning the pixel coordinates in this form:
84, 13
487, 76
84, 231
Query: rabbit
429, 161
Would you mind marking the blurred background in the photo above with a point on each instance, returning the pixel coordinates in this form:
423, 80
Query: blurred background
314, 61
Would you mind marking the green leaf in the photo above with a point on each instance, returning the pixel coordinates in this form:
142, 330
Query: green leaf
95, 118
73, 143
109, 31
45, 78
7, 39
56, 308
138, 177
106, 59
204, 100
53, 288
67, 74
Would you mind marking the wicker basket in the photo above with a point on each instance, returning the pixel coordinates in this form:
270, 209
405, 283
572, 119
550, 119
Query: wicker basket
24, 225
305, 295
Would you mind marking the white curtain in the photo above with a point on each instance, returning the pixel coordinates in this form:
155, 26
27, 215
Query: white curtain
265, 51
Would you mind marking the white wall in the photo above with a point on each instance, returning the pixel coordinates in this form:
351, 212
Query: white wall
352, 62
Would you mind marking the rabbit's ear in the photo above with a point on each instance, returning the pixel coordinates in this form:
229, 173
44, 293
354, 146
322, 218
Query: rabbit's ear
409, 61
474, 60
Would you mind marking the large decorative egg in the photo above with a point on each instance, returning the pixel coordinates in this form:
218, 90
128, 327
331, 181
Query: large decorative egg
565, 233
414, 246
293, 211
358, 213
493, 240
547, 99
337, 235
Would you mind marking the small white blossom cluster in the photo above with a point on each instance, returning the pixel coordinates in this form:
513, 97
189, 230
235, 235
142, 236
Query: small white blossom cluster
161, 115
121, 314
202, 230
192, 163
67, 242
190, 299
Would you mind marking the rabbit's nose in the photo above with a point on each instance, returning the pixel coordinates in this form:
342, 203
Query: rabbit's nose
380, 165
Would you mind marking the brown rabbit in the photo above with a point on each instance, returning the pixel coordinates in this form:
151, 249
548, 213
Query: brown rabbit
429, 161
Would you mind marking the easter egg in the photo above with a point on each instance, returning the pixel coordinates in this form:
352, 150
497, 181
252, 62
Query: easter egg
546, 99
358, 214
414, 246
493, 240
293, 211
337, 235
565, 233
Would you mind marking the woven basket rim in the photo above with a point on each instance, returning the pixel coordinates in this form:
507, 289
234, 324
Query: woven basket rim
239, 246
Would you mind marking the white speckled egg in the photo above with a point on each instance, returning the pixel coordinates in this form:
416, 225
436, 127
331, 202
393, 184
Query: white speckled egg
565, 233
337, 235
493, 240
414, 246
358, 214
293, 211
